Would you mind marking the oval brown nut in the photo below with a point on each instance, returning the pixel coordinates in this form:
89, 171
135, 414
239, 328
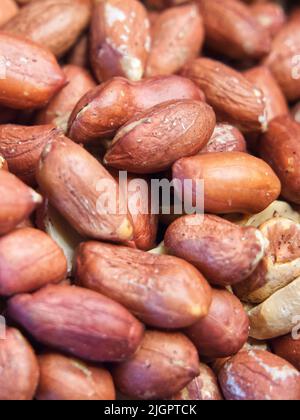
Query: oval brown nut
79, 322
223, 252
19, 368
22, 147
154, 140
61, 106
102, 111
65, 379
162, 291
78, 186
224, 331
276, 315
203, 388
288, 348
17, 201
233, 97
120, 39
232, 30
30, 74
276, 103
225, 138
270, 15
280, 147
177, 37
55, 24
280, 265
258, 375
234, 182
283, 59
163, 366
29, 259
8, 9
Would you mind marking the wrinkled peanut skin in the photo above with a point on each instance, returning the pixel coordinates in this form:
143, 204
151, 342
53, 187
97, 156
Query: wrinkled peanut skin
155, 139
55, 24
79, 322
163, 366
280, 147
29, 259
270, 15
8, 9
19, 368
66, 379
225, 138
34, 81
203, 388
102, 111
22, 147
234, 182
224, 331
234, 99
177, 37
162, 291
223, 252
259, 375
75, 182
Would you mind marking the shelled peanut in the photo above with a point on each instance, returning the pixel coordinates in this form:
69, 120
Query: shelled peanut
121, 123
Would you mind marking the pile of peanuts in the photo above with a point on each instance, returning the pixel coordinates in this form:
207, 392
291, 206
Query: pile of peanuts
105, 305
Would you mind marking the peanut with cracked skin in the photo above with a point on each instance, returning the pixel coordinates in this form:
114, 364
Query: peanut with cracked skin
104, 332
162, 291
66, 379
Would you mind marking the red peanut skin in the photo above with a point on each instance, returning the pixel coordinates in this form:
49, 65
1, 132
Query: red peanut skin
79, 55
66, 379
276, 103
119, 45
34, 81
224, 331
22, 147
17, 203
271, 16
55, 24
162, 291
225, 138
234, 99
29, 259
154, 140
283, 61
61, 106
234, 182
203, 388
164, 365
8, 9
70, 177
177, 37
288, 348
79, 322
280, 147
258, 375
102, 111
232, 30
19, 368
223, 252
145, 224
